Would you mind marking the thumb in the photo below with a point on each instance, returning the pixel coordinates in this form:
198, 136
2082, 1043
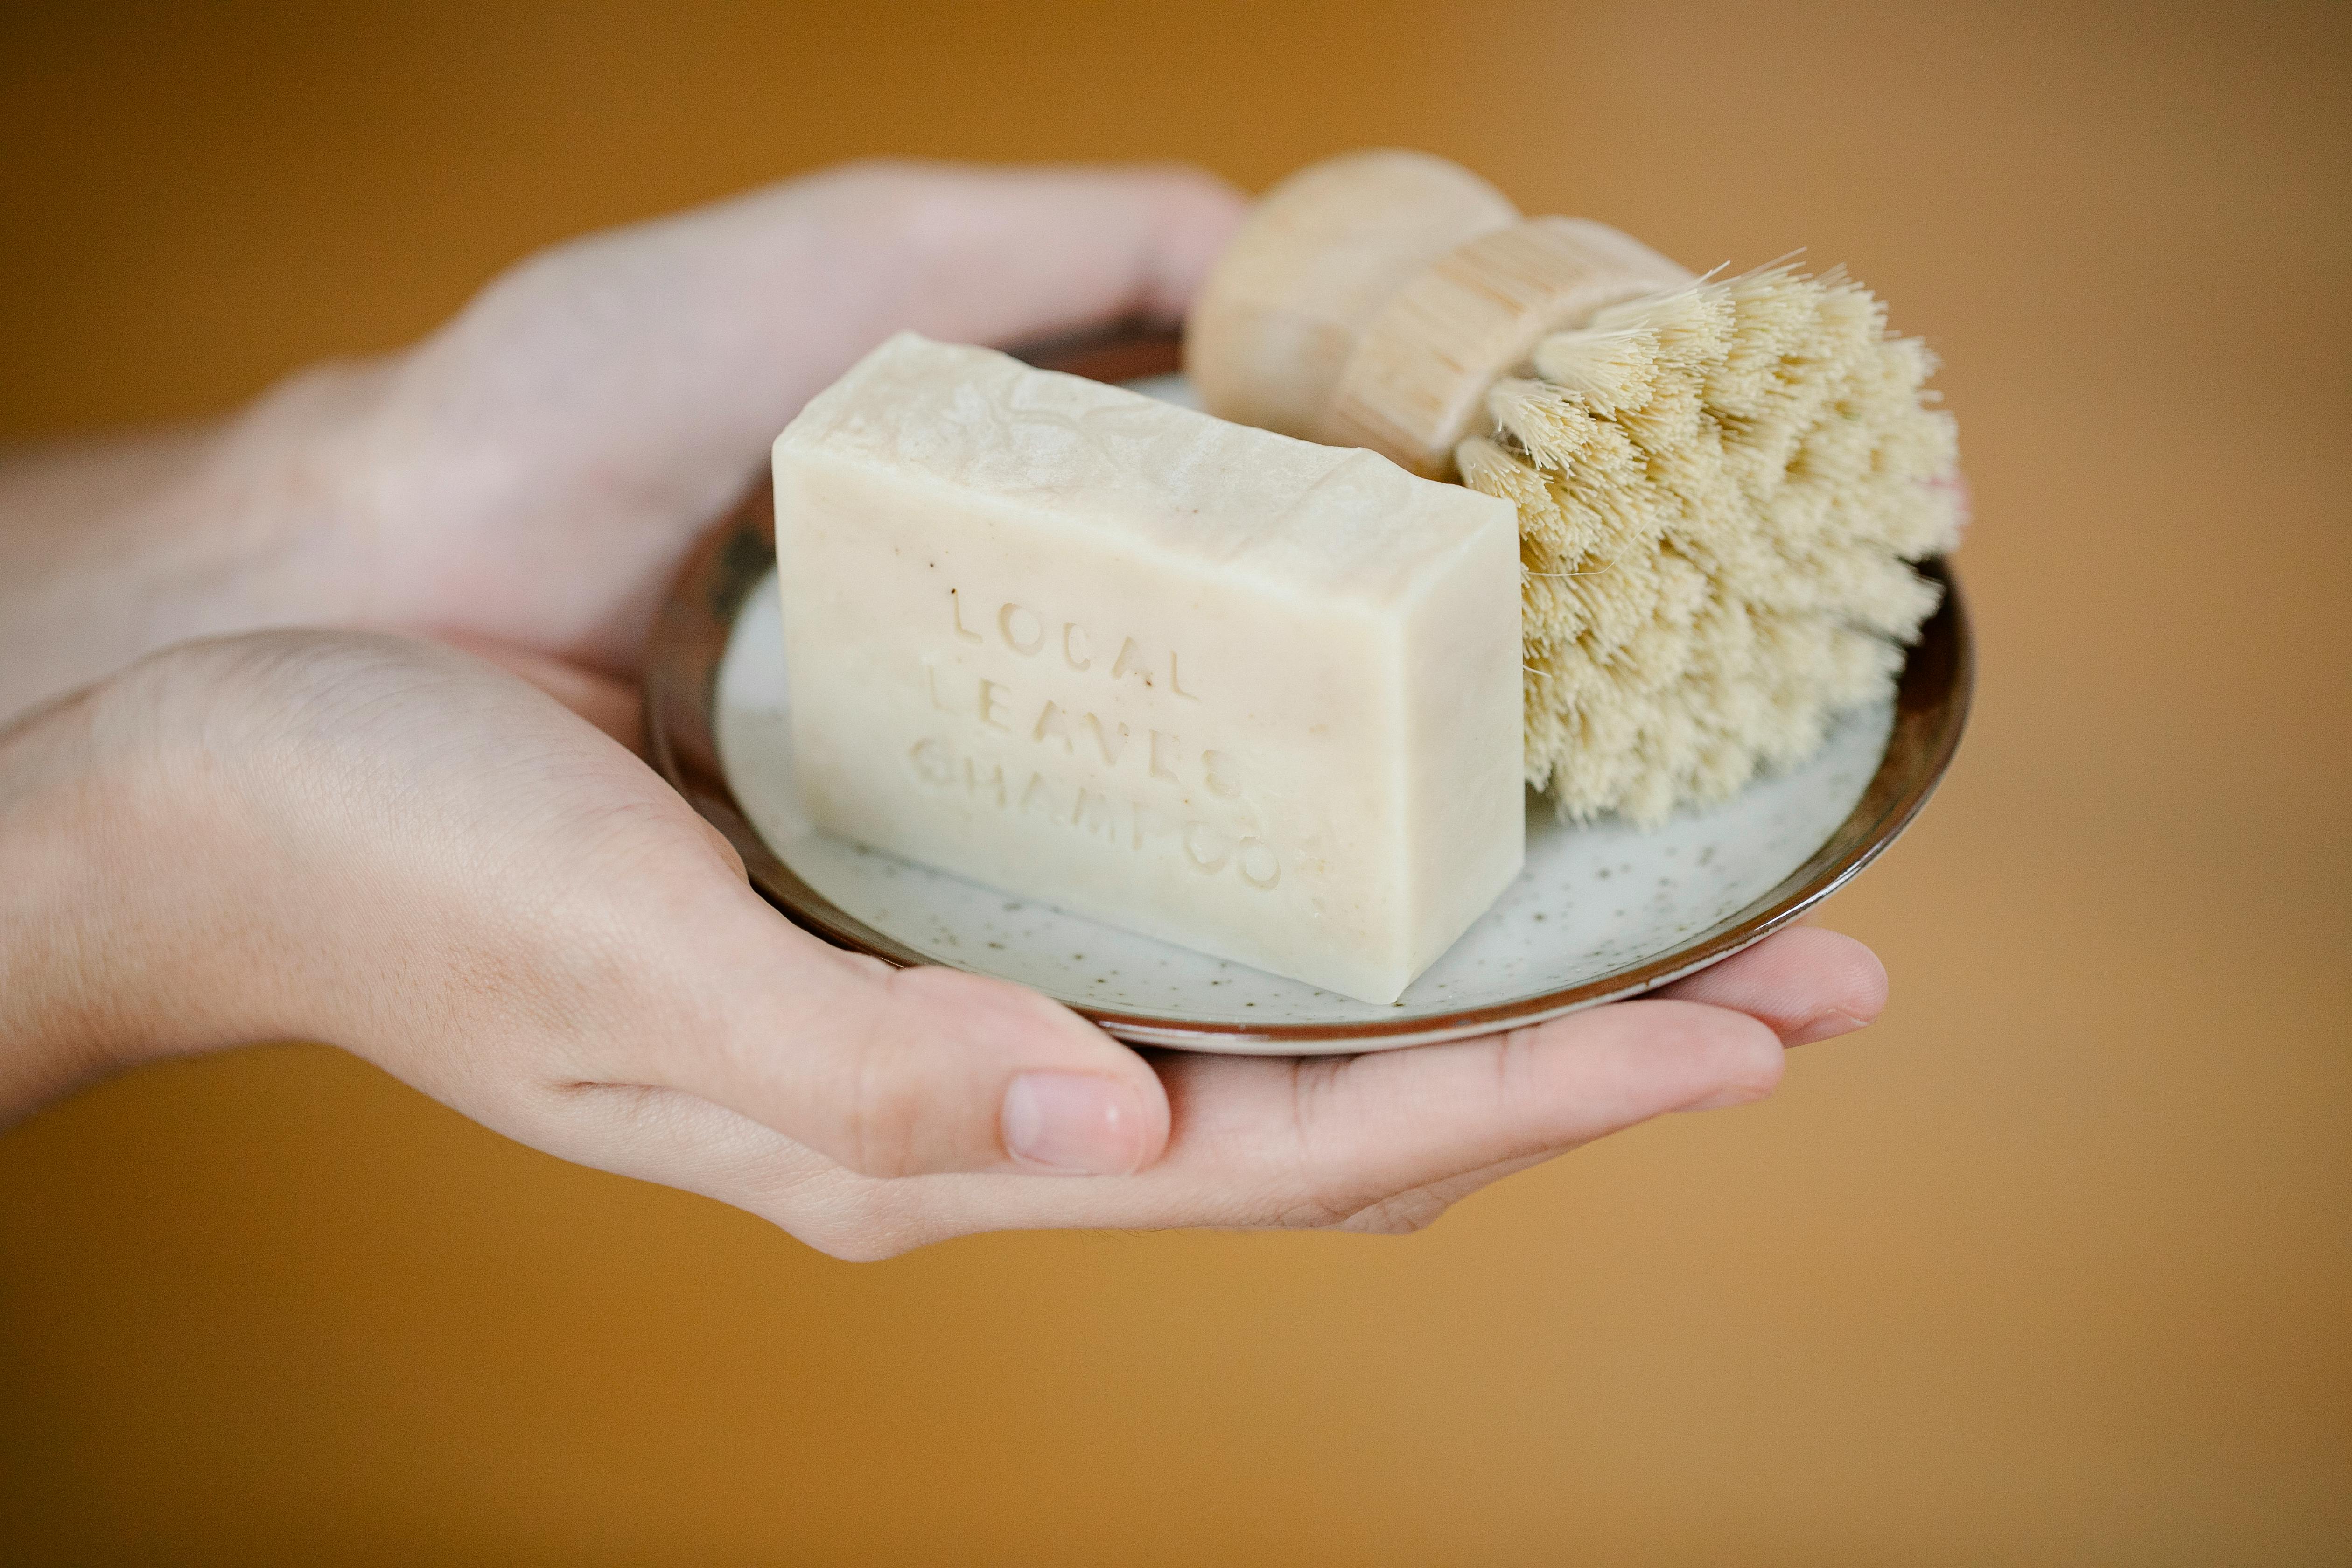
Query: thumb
998, 254
907, 1072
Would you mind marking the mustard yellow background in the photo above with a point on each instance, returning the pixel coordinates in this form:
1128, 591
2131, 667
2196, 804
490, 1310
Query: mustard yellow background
2054, 1266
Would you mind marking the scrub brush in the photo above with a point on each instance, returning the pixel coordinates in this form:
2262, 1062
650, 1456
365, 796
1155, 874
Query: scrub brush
1722, 482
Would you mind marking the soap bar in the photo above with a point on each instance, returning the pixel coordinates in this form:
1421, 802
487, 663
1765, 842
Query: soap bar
1231, 689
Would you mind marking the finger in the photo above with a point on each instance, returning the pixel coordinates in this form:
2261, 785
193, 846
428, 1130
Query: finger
1806, 984
673, 974
1382, 1142
901, 1072
613, 706
778, 292
1294, 1142
1365, 1128
1000, 255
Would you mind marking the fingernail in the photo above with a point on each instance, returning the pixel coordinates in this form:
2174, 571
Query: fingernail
1075, 1123
1725, 1099
1826, 1026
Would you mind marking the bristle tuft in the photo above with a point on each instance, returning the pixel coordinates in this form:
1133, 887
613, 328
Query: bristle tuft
1552, 424
1610, 371
1720, 490
1689, 326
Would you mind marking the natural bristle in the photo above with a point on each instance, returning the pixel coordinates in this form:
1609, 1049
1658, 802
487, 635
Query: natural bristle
1720, 490
1688, 326
1609, 371
1546, 421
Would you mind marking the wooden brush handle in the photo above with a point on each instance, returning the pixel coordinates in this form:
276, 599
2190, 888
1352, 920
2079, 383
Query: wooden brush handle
1371, 299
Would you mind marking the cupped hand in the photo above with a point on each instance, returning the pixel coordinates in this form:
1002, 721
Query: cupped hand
533, 472
529, 476
405, 850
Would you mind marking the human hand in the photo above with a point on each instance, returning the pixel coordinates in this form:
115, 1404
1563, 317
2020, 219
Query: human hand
533, 472
403, 850
527, 478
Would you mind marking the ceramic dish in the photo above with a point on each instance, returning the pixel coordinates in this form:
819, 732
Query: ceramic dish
1601, 911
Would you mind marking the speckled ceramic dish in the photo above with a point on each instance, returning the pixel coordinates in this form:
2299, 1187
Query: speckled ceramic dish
1601, 911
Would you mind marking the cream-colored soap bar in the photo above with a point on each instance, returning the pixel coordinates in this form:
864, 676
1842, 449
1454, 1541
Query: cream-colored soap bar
1242, 692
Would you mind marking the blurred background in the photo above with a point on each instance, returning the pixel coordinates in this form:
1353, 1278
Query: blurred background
2052, 1265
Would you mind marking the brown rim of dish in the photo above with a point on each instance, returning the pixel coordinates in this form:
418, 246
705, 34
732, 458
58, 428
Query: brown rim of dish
691, 639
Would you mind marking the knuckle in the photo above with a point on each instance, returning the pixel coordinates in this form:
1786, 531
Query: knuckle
855, 1220
892, 197
1402, 1214
1326, 1205
1313, 1082
848, 1245
1359, 1211
1307, 1212
882, 1105
884, 1118
1324, 1198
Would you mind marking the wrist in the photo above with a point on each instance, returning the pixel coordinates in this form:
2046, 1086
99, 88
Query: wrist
121, 547
64, 1001
131, 925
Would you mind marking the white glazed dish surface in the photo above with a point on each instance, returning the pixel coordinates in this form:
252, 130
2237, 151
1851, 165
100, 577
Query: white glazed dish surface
1594, 901
1601, 912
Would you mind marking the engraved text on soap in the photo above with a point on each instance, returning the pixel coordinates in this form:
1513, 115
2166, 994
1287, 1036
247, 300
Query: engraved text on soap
1118, 784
